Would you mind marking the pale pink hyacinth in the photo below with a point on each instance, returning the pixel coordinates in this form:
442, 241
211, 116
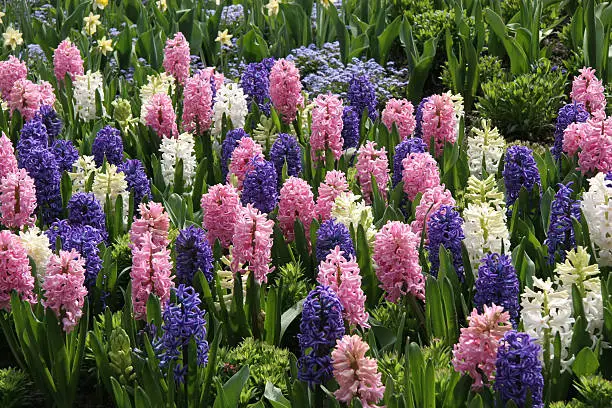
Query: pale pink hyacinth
161, 116
8, 161
400, 112
286, 89
372, 162
476, 352
11, 71
296, 202
15, 271
588, 90
397, 261
252, 240
431, 200
216, 78
439, 122
242, 158
153, 220
342, 276
595, 144
572, 135
220, 211
356, 374
197, 103
335, 184
326, 127
176, 57
17, 200
27, 97
151, 270
420, 172
64, 287
67, 60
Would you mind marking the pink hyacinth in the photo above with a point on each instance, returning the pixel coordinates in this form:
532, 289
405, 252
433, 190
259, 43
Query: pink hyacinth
17, 199
176, 57
296, 202
595, 144
160, 116
8, 161
372, 162
216, 78
572, 135
326, 127
589, 90
220, 211
397, 261
15, 271
67, 60
356, 374
242, 158
64, 288
343, 277
27, 97
153, 221
252, 240
476, 352
286, 89
420, 172
151, 270
431, 201
197, 103
439, 121
11, 71
335, 184
400, 112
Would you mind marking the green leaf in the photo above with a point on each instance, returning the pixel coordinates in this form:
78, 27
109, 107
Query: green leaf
586, 363
232, 389
386, 39
290, 315
275, 396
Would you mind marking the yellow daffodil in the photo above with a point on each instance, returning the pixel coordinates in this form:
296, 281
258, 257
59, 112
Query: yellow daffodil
100, 4
224, 38
325, 3
162, 5
92, 21
12, 38
105, 46
273, 7
2, 14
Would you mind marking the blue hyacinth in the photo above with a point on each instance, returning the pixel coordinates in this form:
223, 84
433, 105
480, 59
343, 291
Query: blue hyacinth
193, 253
418, 116
445, 227
51, 120
227, 148
85, 209
520, 170
33, 135
136, 179
498, 283
260, 186
560, 237
286, 150
108, 144
403, 150
350, 127
330, 235
570, 113
255, 81
65, 154
362, 95
41, 165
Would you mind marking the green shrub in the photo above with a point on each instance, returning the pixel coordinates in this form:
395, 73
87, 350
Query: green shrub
16, 389
489, 69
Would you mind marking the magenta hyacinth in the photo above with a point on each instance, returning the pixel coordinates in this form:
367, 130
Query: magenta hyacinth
296, 202
67, 60
286, 89
17, 200
372, 162
161, 116
252, 240
335, 184
197, 103
420, 173
326, 127
439, 122
15, 271
220, 211
176, 57
11, 71
401, 113
588, 90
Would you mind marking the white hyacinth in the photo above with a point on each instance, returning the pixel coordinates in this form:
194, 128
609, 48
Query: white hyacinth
83, 168
484, 191
85, 88
596, 205
231, 101
174, 150
36, 245
159, 83
349, 210
485, 147
485, 231
109, 182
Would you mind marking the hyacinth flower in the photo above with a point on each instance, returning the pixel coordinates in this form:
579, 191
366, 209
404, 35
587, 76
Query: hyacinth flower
51, 120
350, 127
173, 150
161, 116
597, 209
403, 150
286, 89
17, 200
255, 81
197, 103
230, 102
260, 186
8, 161
588, 90
439, 122
37, 247
334, 184
568, 114
445, 228
27, 97
241, 161
41, 165
67, 60
230, 143
221, 209
431, 200
399, 112
497, 284
326, 127
321, 326
252, 239
350, 211
332, 234
108, 184
65, 154
420, 172
286, 151
485, 148
176, 57
372, 162
560, 237
154, 220
594, 141
108, 144
15, 271
296, 202
86, 87
193, 253
520, 170
136, 178
11, 71
362, 95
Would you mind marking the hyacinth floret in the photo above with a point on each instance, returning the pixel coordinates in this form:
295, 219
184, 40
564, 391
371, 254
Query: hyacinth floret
350, 127
403, 150
15, 271
65, 154
520, 170
255, 81
332, 234
568, 114
260, 186
362, 95
193, 253
445, 228
108, 144
498, 284
561, 237
286, 151
136, 179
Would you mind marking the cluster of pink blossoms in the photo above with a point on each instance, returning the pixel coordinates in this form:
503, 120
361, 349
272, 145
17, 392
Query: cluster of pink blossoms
11, 71
67, 60
286, 89
154, 220
64, 287
397, 261
252, 243
592, 141
343, 277
356, 374
400, 112
8, 161
372, 162
588, 90
220, 211
296, 202
17, 199
242, 158
197, 103
27, 97
431, 201
216, 78
326, 127
161, 116
420, 172
15, 271
335, 184
439, 121
176, 57
476, 351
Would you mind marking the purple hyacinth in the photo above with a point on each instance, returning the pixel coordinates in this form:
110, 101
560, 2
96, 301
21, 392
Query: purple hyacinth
286, 149
255, 82
227, 148
445, 227
362, 95
518, 370
260, 186
609, 176
85, 209
560, 237
403, 150
57, 229
350, 127
136, 179
184, 321
33, 135
418, 130
320, 327
193, 253
520, 170
41, 165
108, 143
330, 235
570, 113
65, 154
498, 283
51, 120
